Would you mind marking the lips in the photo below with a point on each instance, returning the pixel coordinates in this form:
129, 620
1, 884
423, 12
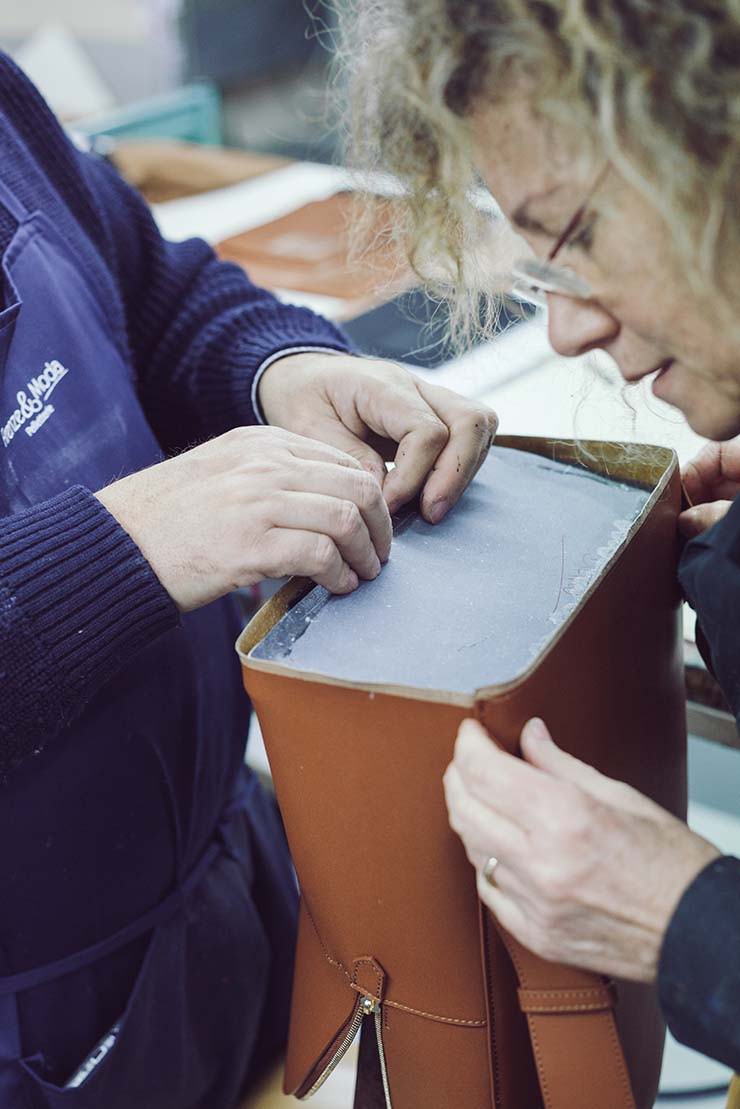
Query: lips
663, 367
659, 370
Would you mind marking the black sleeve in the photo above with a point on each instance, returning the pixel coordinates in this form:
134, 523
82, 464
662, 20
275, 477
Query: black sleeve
699, 972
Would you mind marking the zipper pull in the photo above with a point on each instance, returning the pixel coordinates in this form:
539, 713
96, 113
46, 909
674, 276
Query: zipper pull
368, 979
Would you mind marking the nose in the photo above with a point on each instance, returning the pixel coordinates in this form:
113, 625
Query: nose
577, 326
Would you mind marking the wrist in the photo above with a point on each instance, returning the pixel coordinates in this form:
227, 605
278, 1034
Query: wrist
280, 376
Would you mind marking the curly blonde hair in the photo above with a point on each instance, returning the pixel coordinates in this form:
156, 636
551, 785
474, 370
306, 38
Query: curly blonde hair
652, 85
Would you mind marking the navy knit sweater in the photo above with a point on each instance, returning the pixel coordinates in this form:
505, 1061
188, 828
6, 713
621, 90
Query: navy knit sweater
77, 598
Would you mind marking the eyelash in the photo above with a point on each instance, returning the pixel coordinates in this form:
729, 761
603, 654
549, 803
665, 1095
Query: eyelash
583, 236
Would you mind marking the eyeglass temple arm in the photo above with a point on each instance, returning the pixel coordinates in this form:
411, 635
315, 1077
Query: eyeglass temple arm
577, 216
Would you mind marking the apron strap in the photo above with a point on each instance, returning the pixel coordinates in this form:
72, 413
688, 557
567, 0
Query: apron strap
575, 1042
239, 802
164, 911
10, 201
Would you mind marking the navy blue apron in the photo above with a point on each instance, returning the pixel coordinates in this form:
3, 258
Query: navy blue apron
146, 894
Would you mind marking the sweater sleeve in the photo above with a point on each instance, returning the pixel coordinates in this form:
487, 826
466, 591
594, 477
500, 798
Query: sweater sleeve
77, 601
699, 972
198, 329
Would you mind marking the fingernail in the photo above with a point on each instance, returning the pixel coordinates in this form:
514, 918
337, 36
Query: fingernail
536, 730
352, 581
469, 727
437, 511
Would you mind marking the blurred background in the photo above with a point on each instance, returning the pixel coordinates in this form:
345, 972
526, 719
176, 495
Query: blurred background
248, 73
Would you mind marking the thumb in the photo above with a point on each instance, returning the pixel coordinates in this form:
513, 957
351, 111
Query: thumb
702, 516
539, 749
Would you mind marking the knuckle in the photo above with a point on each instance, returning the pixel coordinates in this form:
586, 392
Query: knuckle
550, 881
479, 424
323, 552
455, 817
349, 520
367, 490
241, 436
573, 818
435, 432
557, 887
491, 418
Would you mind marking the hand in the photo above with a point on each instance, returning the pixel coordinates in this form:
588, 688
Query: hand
712, 481
589, 870
377, 411
255, 503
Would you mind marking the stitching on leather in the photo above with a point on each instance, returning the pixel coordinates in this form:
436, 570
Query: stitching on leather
394, 1004
618, 1052
601, 990
603, 1000
327, 956
545, 1089
435, 1016
536, 1047
621, 1062
368, 961
543, 1010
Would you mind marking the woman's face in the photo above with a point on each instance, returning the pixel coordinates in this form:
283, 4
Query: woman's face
643, 311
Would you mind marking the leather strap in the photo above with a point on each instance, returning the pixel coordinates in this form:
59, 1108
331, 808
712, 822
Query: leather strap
574, 1035
589, 999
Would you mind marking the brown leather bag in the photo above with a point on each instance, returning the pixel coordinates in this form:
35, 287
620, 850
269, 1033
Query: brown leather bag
391, 930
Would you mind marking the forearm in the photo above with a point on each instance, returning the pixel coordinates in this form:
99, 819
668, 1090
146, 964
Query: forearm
77, 600
198, 329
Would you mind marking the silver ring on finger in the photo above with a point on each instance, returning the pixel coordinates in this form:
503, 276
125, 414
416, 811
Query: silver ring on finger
489, 870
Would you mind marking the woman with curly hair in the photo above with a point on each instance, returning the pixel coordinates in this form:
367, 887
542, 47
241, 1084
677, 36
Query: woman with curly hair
609, 137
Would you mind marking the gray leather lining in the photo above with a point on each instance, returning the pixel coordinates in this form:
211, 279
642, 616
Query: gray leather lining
473, 601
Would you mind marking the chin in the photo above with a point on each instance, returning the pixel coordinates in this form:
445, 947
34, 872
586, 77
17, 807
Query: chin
713, 423
708, 412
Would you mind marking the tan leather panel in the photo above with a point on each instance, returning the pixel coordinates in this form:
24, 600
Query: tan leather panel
358, 774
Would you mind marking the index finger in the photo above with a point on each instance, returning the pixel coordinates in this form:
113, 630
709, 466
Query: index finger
472, 428
355, 485
707, 476
502, 781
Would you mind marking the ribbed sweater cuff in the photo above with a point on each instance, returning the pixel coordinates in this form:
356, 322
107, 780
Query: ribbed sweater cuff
85, 593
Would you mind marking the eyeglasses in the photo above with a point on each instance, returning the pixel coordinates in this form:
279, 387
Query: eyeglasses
534, 278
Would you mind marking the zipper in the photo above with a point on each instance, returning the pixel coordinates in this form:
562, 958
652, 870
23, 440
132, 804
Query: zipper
366, 1007
378, 1016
